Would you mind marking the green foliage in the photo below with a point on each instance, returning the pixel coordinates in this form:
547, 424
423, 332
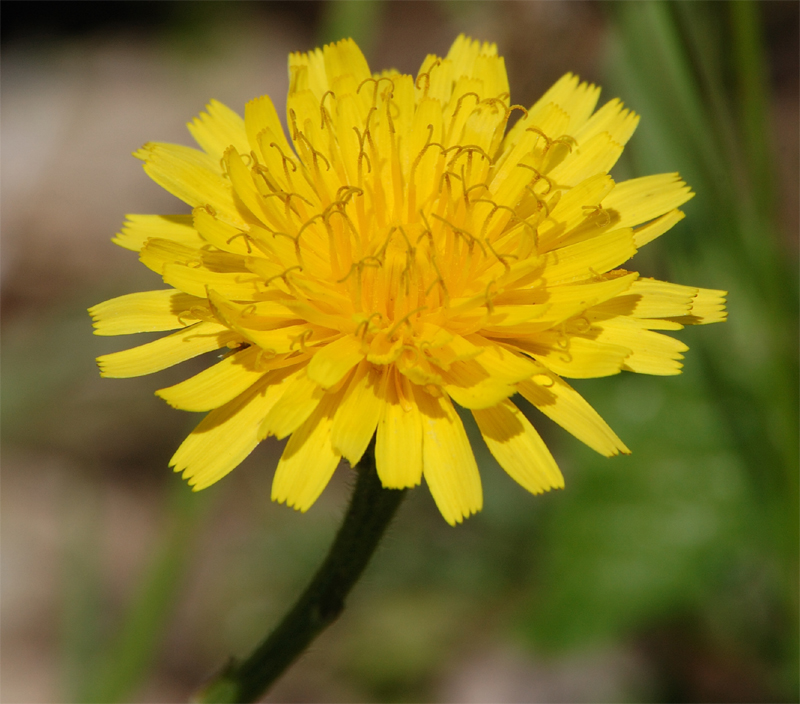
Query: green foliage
354, 19
704, 514
122, 665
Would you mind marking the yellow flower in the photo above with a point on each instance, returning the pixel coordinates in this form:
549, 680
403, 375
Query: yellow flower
401, 252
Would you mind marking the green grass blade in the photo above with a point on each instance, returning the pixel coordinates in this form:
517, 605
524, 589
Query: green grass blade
131, 655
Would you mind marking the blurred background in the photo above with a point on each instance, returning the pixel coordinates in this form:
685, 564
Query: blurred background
667, 576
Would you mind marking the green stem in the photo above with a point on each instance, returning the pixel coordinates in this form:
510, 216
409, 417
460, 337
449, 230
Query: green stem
371, 510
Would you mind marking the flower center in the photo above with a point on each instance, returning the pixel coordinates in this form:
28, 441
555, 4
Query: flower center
399, 218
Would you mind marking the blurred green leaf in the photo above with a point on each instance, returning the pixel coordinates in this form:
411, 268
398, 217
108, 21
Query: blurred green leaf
122, 665
637, 538
354, 19
711, 491
81, 593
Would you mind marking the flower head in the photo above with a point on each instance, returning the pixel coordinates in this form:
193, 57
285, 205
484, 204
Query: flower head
402, 250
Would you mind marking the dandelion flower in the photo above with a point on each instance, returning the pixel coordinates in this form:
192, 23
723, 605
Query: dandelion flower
401, 252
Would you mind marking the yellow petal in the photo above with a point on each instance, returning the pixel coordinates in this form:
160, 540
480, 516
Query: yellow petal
271, 327
501, 362
682, 305
491, 71
357, 415
148, 311
305, 130
308, 460
579, 103
383, 350
647, 233
562, 404
488, 378
465, 51
404, 101
649, 298
434, 79
612, 119
260, 115
282, 164
243, 185
349, 124
160, 354
217, 129
600, 142
192, 176
220, 234
344, 57
334, 360
589, 258
198, 280
650, 352
449, 465
575, 99
578, 99
195, 271
518, 448
299, 399
565, 302
216, 385
512, 315
574, 356
708, 306
158, 253
481, 126
642, 199
226, 436
571, 210
597, 154
307, 72
506, 166
398, 446
470, 386
283, 339
140, 228
421, 171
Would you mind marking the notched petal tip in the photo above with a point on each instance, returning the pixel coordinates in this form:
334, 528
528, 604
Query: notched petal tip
102, 367
144, 152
